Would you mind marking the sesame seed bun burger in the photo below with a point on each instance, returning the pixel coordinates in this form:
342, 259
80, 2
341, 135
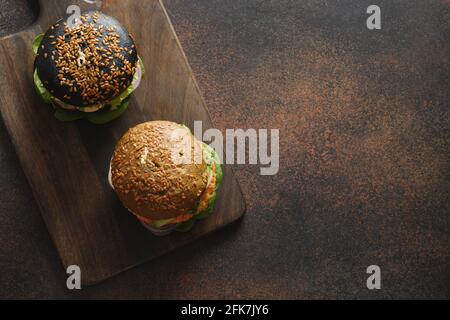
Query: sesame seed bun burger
164, 176
87, 70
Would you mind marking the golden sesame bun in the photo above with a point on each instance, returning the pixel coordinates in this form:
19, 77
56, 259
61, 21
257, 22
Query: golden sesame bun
158, 171
88, 64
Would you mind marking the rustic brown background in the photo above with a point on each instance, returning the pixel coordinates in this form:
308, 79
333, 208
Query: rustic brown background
365, 173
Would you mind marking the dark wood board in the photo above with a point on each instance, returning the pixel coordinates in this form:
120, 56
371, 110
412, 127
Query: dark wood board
66, 164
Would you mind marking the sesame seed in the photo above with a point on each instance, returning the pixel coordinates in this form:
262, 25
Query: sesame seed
99, 73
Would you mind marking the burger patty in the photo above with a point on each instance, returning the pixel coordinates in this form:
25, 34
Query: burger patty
209, 192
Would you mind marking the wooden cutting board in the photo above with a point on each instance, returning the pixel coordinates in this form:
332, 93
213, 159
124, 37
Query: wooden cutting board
66, 164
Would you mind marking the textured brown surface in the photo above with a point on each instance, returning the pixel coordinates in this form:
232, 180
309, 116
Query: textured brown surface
364, 177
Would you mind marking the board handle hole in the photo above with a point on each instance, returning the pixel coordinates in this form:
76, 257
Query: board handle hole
17, 15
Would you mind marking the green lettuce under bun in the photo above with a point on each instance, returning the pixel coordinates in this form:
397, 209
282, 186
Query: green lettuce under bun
104, 116
37, 42
113, 110
186, 226
68, 116
45, 95
211, 157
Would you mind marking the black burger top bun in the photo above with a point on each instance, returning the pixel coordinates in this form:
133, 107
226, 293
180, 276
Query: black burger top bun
89, 64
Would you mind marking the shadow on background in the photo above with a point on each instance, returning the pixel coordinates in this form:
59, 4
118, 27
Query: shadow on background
17, 15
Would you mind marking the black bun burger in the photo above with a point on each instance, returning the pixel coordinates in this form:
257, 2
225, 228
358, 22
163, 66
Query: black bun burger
164, 176
88, 70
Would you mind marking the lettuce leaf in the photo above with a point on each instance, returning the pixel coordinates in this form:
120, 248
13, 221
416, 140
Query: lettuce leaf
68, 116
161, 223
141, 64
104, 116
209, 209
37, 43
41, 90
213, 157
100, 117
115, 103
186, 226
